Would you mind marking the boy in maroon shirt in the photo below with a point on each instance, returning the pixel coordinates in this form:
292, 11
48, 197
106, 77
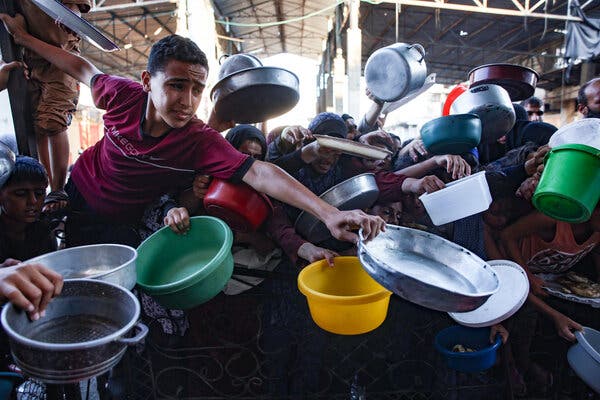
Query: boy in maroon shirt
153, 142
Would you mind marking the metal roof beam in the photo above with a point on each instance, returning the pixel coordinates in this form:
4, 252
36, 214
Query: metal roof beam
481, 8
138, 3
279, 13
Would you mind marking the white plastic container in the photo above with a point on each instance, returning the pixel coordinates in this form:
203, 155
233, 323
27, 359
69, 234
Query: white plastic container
584, 131
459, 199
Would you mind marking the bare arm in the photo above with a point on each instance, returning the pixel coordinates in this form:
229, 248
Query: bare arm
78, 67
275, 182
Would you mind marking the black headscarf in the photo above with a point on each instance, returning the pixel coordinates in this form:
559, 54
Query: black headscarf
239, 134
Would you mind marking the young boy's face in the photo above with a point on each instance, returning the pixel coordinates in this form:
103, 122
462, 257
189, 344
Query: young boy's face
22, 202
176, 92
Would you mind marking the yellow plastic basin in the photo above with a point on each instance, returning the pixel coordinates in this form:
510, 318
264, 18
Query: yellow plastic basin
343, 299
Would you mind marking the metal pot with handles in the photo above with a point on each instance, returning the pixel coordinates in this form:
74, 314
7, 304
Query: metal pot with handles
394, 71
84, 333
492, 104
7, 163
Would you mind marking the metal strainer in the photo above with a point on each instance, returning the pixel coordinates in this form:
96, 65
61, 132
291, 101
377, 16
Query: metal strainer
81, 336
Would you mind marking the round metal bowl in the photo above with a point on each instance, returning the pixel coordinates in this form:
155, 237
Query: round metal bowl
428, 270
7, 163
82, 335
114, 263
358, 192
255, 94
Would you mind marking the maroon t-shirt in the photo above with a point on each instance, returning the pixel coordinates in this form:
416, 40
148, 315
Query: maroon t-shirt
126, 170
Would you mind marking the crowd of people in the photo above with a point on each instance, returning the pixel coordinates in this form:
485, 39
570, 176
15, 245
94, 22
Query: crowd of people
156, 159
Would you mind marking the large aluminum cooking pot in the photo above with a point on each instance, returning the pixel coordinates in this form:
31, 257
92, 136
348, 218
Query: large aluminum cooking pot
396, 70
83, 334
114, 263
247, 92
428, 270
493, 106
358, 192
518, 81
7, 163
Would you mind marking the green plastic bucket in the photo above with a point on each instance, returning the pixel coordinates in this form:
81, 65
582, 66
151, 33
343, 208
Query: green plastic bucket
183, 271
569, 188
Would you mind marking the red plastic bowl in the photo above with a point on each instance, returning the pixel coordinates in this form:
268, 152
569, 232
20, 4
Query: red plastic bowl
241, 207
454, 93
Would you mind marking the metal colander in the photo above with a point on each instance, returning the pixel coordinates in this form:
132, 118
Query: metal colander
73, 329
82, 335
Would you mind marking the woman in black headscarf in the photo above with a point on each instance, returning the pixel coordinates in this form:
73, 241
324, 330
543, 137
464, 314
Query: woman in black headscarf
248, 140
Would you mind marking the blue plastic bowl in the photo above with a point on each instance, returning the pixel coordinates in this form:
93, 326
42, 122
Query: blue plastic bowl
7, 382
475, 338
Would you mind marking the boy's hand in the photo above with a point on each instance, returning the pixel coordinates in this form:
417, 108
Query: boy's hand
200, 186
565, 326
341, 224
429, 184
498, 330
16, 26
217, 124
312, 253
455, 165
415, 149
295, 135
30, 287
5, 69
178, 220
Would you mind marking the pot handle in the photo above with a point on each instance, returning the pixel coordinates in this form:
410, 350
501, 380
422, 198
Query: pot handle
419, 48
143, 331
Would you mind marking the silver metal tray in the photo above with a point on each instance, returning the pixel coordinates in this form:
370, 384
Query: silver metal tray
555, 289
358, 192
428, 270
62, 14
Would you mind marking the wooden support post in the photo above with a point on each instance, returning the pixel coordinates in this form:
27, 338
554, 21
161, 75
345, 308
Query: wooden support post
17, 91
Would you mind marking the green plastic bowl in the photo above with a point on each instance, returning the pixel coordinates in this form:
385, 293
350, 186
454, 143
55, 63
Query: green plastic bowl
452, 134
183, 271
569, 187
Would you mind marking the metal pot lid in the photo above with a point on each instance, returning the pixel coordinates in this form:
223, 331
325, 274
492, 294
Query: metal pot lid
255, 94
358, 192
58, 12
511, 295
7, 163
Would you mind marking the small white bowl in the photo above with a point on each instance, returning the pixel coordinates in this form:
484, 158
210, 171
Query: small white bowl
459, 199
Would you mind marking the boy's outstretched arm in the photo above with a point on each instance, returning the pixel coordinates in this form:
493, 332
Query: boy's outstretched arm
78, 67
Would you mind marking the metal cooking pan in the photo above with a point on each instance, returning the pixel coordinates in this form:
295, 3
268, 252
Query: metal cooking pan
255, 94
518, 81
358, 192
428, 270
58, 12
7, 163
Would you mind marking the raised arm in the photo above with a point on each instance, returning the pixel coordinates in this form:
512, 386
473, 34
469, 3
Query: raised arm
275, 182
78, 67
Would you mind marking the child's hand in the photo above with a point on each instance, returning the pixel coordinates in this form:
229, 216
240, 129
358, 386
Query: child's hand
455, 165
429, 184
178, 220
16, 26
312, 253
498, 330
565, 325
200, 186
5, 69
30, 287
